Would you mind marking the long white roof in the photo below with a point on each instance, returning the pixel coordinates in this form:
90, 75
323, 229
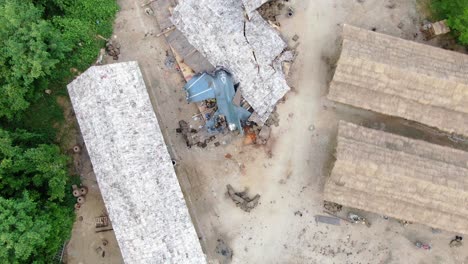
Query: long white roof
133, 167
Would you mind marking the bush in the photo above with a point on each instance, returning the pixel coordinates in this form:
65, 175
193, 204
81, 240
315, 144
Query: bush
456, 13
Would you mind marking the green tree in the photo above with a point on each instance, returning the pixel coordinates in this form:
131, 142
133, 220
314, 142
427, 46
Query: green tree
41, 168
30, 49
35, 217
456, 13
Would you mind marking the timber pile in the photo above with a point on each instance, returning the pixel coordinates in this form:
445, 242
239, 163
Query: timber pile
400, 177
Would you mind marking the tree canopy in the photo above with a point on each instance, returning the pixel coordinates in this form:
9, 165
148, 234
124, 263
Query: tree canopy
37, 36
34, 214
30, 49
40, 42
456, 13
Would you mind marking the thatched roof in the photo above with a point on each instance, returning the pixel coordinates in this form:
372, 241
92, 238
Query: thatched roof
400, 177
133, 167
402, 78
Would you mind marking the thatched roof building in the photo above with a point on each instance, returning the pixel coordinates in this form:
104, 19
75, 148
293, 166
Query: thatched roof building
133, 167
400, 177
402, 78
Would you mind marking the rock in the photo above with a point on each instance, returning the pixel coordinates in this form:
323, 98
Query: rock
263, 135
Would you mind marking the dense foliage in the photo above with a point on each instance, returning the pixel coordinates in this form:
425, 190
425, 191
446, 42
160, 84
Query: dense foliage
456, 13
34, 214
40, 42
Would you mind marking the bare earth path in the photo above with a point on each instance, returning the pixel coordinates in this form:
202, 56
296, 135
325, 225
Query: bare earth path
290, 171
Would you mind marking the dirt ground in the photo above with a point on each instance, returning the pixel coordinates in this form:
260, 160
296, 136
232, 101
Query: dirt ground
290, 171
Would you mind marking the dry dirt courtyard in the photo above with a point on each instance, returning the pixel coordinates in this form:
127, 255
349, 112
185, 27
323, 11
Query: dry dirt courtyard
289, 172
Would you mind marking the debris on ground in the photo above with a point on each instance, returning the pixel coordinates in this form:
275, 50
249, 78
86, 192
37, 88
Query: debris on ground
271, 10
404, 222
298, 213
290, 12
332, 207
273, 120
242, 200
113, 49
295, 37
431, 30
357, 219
422, 245
457, 242
327, 219
250, 136
170, 61
149, 11
263, 135
224, 250
186, 132
101, 221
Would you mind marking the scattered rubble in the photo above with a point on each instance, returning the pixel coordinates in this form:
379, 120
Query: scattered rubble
357, 219
263, 135
431, 30
298, 213
271, 10
170, 61
422, 245
113, 49
186, 132
273, 120
250, 135
224, 250
242, 200
457, 242
332, 207
404, 222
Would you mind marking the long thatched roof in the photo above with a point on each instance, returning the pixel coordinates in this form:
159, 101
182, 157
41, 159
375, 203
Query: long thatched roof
133, 167
400, 177
402, 78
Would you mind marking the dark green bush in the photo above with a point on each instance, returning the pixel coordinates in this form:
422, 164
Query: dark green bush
456, 13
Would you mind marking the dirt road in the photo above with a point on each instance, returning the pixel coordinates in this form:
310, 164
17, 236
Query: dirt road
290, 171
